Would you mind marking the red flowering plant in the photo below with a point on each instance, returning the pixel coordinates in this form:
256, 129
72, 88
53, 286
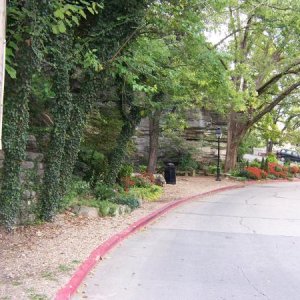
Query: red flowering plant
127, 183
278, 170
256, 173
294, 170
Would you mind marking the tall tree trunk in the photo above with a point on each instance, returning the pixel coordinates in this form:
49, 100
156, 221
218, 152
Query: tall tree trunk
51, 195
154, 130
237, 130
82, 104
117, 156
269, 146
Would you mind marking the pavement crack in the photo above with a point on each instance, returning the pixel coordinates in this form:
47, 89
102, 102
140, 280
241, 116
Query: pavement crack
252, 285
245, 226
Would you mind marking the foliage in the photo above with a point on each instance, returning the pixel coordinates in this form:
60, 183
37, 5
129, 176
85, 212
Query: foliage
255, 163
151, 193
107, 208
127, 199
255, 173
272, 158
126, 170
278, 170
187, 163
104, 192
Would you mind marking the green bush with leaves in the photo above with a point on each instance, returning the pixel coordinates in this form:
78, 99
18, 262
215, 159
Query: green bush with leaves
107, 208
187, 163
125, 171
104, 192
127, 199
272, 158
151, 193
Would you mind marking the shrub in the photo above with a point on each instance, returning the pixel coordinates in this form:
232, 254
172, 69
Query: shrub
272, 158
151, 193
141, 181
125, 171
187, 163
294, 169
255, 163
255, 173
127, 199
107, 208
277, 170
104, 192
127, 182
212, 169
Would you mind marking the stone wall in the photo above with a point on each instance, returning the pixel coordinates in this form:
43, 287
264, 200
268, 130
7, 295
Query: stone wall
30, 177
200, 136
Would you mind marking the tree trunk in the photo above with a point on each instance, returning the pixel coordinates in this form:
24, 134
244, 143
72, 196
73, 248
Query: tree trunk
269, 146
154, 120
51, 194
117, 156
236, 131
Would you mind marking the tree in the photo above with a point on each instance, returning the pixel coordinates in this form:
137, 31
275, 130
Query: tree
171, 66
263, 63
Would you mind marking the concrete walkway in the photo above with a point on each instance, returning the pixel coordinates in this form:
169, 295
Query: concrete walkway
242, 244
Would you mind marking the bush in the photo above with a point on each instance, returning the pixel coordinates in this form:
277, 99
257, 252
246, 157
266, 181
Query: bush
255, 164
104, 192
107, 208
256, 173
127, 199
141, 181
272, 158
212, 169
277, 170
187, 163
125, 171
294, 170
76, 188
151, 193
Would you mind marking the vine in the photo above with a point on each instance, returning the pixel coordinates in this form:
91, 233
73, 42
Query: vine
16, 116
61, 112
117, 156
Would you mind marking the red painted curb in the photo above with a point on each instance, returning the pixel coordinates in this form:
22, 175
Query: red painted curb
70, 288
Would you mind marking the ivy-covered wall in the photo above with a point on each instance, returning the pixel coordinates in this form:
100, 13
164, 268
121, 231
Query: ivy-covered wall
31, 174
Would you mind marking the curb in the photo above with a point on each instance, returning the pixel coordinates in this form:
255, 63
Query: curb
71, 287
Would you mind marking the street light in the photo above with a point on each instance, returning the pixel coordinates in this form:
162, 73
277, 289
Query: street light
219, 135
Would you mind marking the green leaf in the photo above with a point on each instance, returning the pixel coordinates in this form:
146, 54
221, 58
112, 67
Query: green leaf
62, 27
55, 29
81, 12
59, 14
91, 10
75, 20
11, 71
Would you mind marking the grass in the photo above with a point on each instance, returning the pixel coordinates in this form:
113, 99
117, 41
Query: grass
49, 275
64, 268
35, 296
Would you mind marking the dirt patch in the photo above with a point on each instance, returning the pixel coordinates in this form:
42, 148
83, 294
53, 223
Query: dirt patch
35, 261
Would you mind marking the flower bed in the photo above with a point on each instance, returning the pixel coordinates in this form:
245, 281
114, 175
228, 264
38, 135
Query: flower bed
256, 173
278, 170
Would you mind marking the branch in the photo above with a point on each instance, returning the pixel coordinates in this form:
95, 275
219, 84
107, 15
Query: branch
277, 77
275, 102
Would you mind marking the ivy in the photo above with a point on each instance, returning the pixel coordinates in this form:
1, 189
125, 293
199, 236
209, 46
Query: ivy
16, 120
61, 114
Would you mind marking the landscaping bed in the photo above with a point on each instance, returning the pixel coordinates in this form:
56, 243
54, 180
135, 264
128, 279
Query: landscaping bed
37, 260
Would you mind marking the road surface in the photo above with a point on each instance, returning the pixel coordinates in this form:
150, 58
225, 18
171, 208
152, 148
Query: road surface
242, 244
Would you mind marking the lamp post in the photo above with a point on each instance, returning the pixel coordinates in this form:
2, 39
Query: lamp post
219, 135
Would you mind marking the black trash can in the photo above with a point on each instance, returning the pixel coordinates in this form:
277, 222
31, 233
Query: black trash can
170, 173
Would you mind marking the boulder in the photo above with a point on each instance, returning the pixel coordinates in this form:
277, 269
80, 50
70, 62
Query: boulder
86, 211
159, 179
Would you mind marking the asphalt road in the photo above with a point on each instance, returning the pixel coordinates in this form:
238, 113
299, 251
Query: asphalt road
241, 244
